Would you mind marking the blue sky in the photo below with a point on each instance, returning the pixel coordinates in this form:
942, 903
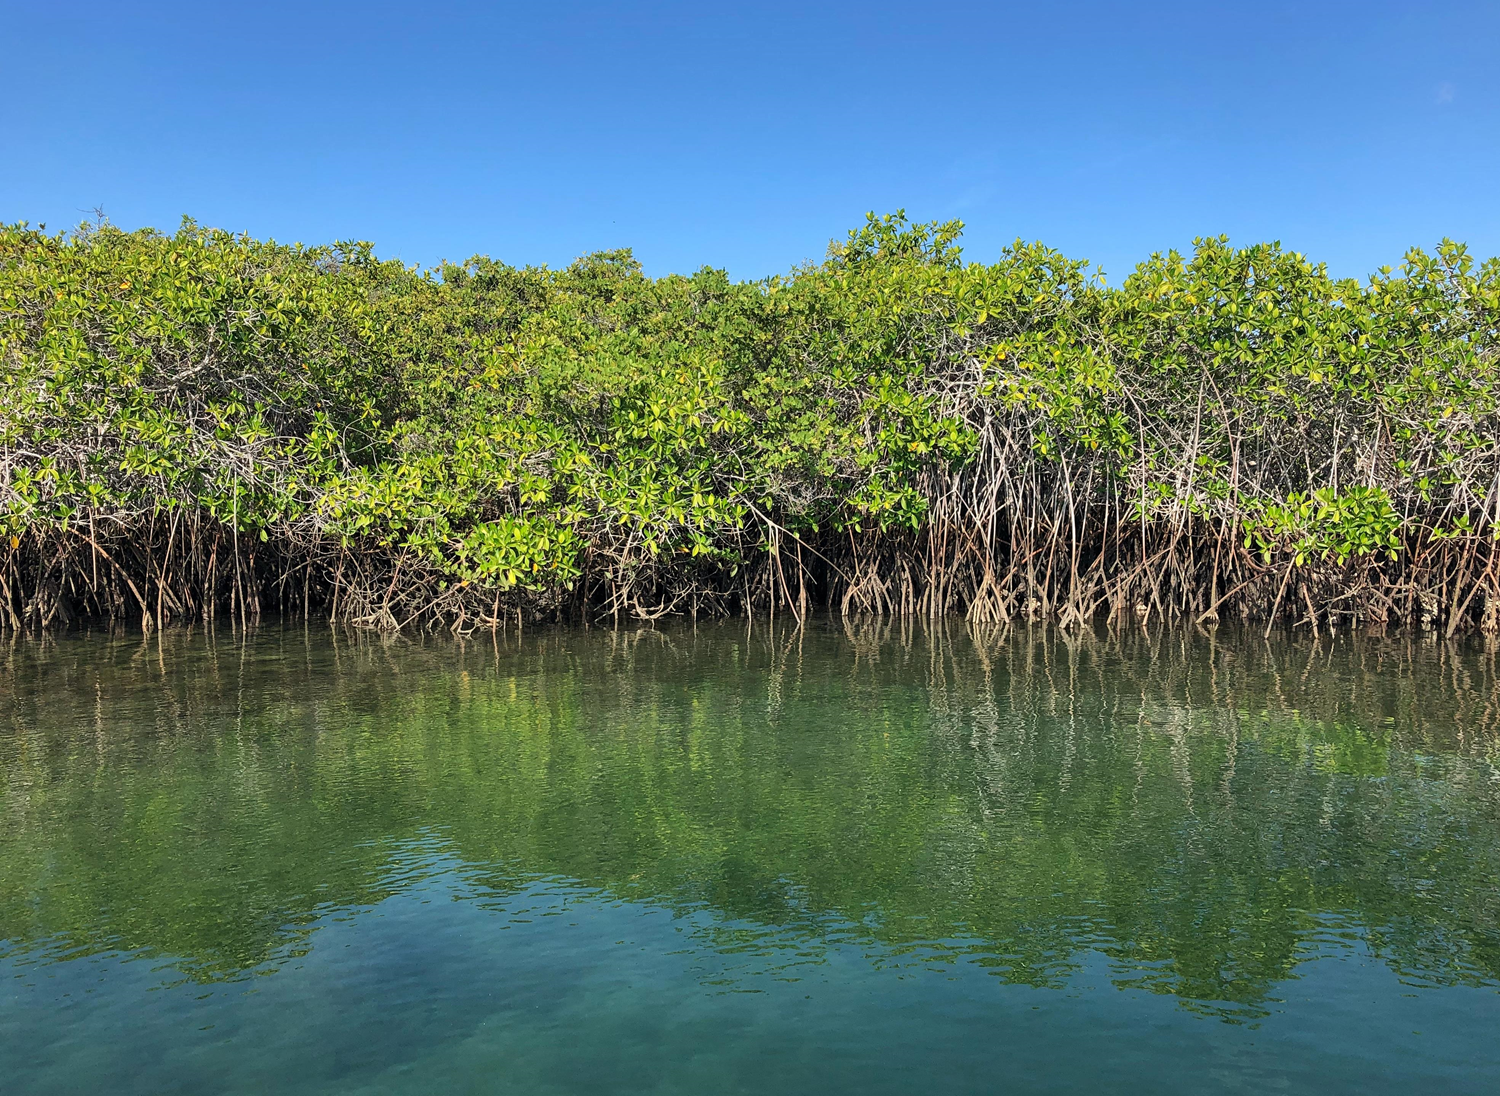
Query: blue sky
745, 136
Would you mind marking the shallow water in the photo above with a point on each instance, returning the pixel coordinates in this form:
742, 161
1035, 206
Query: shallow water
867, 859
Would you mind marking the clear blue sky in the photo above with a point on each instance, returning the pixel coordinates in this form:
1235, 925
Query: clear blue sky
745, 136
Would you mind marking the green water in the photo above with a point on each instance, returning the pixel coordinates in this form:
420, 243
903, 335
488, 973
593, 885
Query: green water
716, 860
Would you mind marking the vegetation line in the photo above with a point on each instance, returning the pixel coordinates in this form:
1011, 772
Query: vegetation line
243, 427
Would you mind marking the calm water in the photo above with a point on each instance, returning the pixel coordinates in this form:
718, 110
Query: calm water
867, 860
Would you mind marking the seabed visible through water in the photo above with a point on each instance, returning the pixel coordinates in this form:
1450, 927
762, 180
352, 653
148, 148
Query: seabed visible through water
859, 857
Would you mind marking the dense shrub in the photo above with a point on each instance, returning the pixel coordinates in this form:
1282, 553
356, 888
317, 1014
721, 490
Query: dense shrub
201, 422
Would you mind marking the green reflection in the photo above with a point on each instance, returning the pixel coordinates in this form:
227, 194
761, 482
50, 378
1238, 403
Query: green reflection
1204, 810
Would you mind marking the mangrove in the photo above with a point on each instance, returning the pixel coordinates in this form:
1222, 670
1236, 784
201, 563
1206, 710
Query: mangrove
201, 425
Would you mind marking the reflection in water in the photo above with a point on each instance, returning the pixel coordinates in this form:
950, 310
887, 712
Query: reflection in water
1192, 815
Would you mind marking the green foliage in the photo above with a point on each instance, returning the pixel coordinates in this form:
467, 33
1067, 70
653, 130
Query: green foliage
500, 428
1325, 525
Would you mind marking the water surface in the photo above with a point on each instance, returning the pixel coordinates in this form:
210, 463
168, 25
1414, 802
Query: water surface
852, 859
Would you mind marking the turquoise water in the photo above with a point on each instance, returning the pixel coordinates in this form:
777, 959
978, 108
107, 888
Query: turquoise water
725, 859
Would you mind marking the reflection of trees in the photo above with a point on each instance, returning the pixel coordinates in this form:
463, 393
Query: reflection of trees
1202, 809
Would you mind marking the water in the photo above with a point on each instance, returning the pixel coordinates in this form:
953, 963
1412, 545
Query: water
866, 859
